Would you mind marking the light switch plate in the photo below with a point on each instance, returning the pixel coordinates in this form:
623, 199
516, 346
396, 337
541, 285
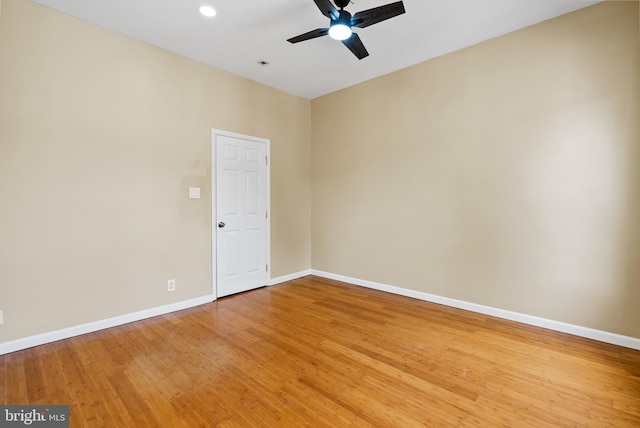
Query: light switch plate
194, 193
1, 318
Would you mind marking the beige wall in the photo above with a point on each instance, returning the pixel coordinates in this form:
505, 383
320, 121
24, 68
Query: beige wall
100, 138
506, 174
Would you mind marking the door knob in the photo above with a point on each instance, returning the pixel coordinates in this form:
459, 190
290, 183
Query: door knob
221, 224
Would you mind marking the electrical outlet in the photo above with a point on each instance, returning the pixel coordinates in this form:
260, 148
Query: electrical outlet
1, 318
171, 285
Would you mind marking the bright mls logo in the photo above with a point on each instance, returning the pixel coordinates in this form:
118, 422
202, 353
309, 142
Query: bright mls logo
34, 416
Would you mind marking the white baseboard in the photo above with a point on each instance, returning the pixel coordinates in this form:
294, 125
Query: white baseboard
52, 336
41, 339
576, 330
290, 277
602, 336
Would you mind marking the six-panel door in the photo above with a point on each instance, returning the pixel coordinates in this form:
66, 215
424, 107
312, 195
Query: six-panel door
241, 214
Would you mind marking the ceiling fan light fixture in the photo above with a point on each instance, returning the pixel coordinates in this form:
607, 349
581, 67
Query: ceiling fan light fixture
207, 11
340, 31
342, 21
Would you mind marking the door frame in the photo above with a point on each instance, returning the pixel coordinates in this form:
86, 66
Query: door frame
214, 172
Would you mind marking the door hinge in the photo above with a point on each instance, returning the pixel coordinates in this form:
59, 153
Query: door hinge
266, 214
266, 160
266, 268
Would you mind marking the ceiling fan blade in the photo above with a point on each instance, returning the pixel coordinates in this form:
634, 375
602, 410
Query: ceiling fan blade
377, 14
356, 46
318, 32
327, 8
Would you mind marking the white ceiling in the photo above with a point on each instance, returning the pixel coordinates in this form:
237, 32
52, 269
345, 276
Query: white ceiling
247, 31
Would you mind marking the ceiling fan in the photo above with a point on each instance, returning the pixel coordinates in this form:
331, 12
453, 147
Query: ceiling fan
342, 22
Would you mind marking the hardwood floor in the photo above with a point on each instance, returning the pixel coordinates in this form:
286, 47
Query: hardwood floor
316, 352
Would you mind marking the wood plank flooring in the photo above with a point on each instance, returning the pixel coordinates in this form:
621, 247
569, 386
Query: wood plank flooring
316, 352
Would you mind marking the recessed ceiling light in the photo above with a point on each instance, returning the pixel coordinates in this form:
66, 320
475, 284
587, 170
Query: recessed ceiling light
207, 11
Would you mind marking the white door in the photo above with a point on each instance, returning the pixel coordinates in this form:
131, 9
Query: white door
241, 219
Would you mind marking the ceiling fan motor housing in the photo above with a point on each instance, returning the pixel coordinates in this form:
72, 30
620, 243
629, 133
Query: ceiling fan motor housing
343, 18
